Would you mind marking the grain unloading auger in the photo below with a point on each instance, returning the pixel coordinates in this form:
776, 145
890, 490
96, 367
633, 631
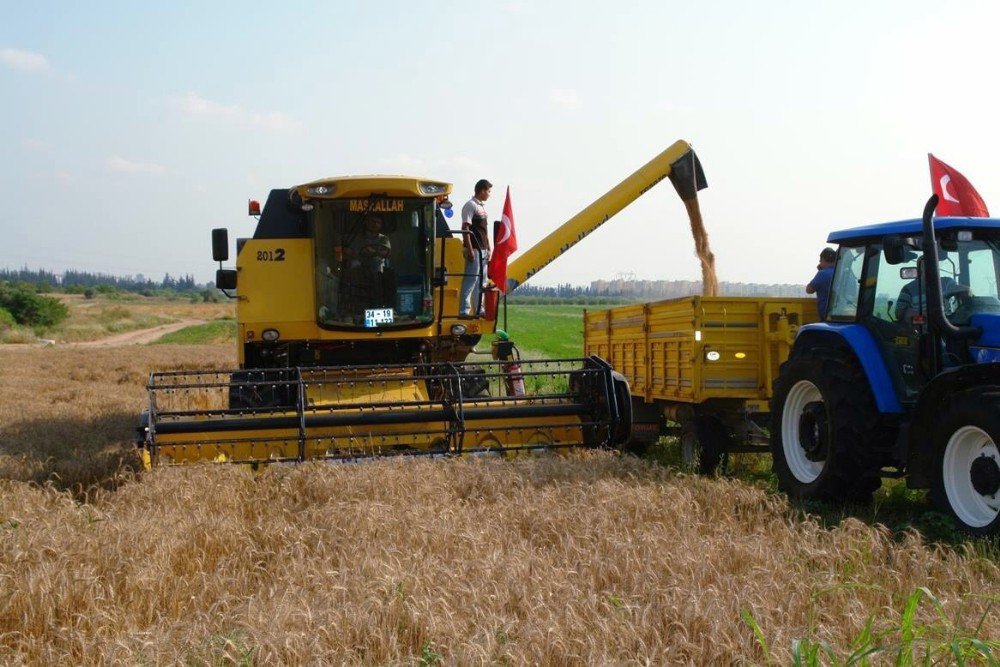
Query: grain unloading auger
350, 343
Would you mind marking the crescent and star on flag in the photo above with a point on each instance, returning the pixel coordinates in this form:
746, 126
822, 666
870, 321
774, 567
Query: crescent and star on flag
945, 180
505, 234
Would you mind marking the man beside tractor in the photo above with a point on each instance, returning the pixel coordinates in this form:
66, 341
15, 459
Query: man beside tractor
820, 284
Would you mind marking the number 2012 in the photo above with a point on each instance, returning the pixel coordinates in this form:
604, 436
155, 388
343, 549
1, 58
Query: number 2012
276, 255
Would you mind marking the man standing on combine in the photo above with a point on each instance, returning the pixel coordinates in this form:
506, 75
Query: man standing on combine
477, 249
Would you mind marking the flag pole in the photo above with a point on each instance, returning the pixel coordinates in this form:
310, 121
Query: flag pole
505, 312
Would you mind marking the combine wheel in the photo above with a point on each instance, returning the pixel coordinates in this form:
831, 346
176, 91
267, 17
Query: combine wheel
823, 426
644, 423
966, 481
704, 441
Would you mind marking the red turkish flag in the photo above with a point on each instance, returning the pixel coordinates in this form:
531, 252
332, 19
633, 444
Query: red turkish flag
956, 196
504, 245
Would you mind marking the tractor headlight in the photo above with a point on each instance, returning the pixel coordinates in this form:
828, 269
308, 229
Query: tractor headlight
712, 355
432, 188
321, 190
270, 335
458, 329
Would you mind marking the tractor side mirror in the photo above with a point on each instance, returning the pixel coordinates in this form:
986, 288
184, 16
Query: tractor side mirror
894, 249
909, 273
220, 245
899, 249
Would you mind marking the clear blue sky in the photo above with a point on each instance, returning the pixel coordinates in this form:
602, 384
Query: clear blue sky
128, 130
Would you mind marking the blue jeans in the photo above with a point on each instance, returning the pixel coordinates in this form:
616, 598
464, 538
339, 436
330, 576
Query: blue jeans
472, 284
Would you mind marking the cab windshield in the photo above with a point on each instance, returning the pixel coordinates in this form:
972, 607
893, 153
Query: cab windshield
374, 262
969, 264
969, 268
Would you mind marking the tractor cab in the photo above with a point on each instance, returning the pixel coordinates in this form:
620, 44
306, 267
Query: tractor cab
880, 282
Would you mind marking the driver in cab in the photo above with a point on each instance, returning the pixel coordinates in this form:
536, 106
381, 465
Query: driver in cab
913, 298
370, 249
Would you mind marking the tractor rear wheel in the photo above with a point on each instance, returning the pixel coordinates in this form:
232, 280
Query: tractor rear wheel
704, 441
823, 428
966, 480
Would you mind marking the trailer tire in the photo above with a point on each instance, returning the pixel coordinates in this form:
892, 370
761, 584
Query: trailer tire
824, 424
966, 476
703, 442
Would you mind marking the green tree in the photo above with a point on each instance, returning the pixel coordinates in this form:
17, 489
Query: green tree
30, 308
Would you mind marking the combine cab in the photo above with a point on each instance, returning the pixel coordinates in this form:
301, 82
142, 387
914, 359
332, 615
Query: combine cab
350, 343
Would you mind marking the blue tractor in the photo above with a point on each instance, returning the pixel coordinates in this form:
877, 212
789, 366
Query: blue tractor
902, 379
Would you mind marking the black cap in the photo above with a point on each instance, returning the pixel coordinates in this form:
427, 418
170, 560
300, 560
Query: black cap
483, 184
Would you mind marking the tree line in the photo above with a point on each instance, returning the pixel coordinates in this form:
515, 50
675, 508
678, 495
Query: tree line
72, 281
23, 299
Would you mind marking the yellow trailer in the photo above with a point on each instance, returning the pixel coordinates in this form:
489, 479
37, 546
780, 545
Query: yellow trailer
705, 364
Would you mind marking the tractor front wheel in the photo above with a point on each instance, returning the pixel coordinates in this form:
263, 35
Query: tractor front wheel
823, 426
966, 481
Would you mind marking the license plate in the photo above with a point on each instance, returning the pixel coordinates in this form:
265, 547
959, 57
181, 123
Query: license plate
377, 316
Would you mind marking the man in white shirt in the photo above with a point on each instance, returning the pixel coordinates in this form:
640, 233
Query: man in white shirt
476, 249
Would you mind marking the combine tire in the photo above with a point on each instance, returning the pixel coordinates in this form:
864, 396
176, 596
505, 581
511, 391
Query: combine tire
966, 479
645, 426
823, 428
703, 442
623, 401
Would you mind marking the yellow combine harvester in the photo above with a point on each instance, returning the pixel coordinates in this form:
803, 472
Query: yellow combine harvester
350, 343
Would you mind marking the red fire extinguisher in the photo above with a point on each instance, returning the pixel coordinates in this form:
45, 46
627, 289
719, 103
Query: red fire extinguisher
506, 353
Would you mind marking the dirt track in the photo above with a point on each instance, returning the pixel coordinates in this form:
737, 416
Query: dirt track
139, 337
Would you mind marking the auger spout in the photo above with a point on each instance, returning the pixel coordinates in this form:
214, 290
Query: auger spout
678, 163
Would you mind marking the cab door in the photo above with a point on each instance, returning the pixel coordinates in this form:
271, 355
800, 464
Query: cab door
896, 318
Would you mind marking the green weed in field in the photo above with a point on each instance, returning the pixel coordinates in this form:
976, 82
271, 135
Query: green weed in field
216, 331
908, 642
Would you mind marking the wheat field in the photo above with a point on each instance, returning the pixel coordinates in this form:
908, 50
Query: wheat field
590, 558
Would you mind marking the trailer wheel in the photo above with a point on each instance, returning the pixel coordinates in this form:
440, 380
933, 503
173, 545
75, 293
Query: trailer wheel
704, 441
966, 480
823, 427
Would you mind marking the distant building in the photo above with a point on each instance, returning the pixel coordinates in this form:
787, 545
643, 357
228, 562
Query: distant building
669, 289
